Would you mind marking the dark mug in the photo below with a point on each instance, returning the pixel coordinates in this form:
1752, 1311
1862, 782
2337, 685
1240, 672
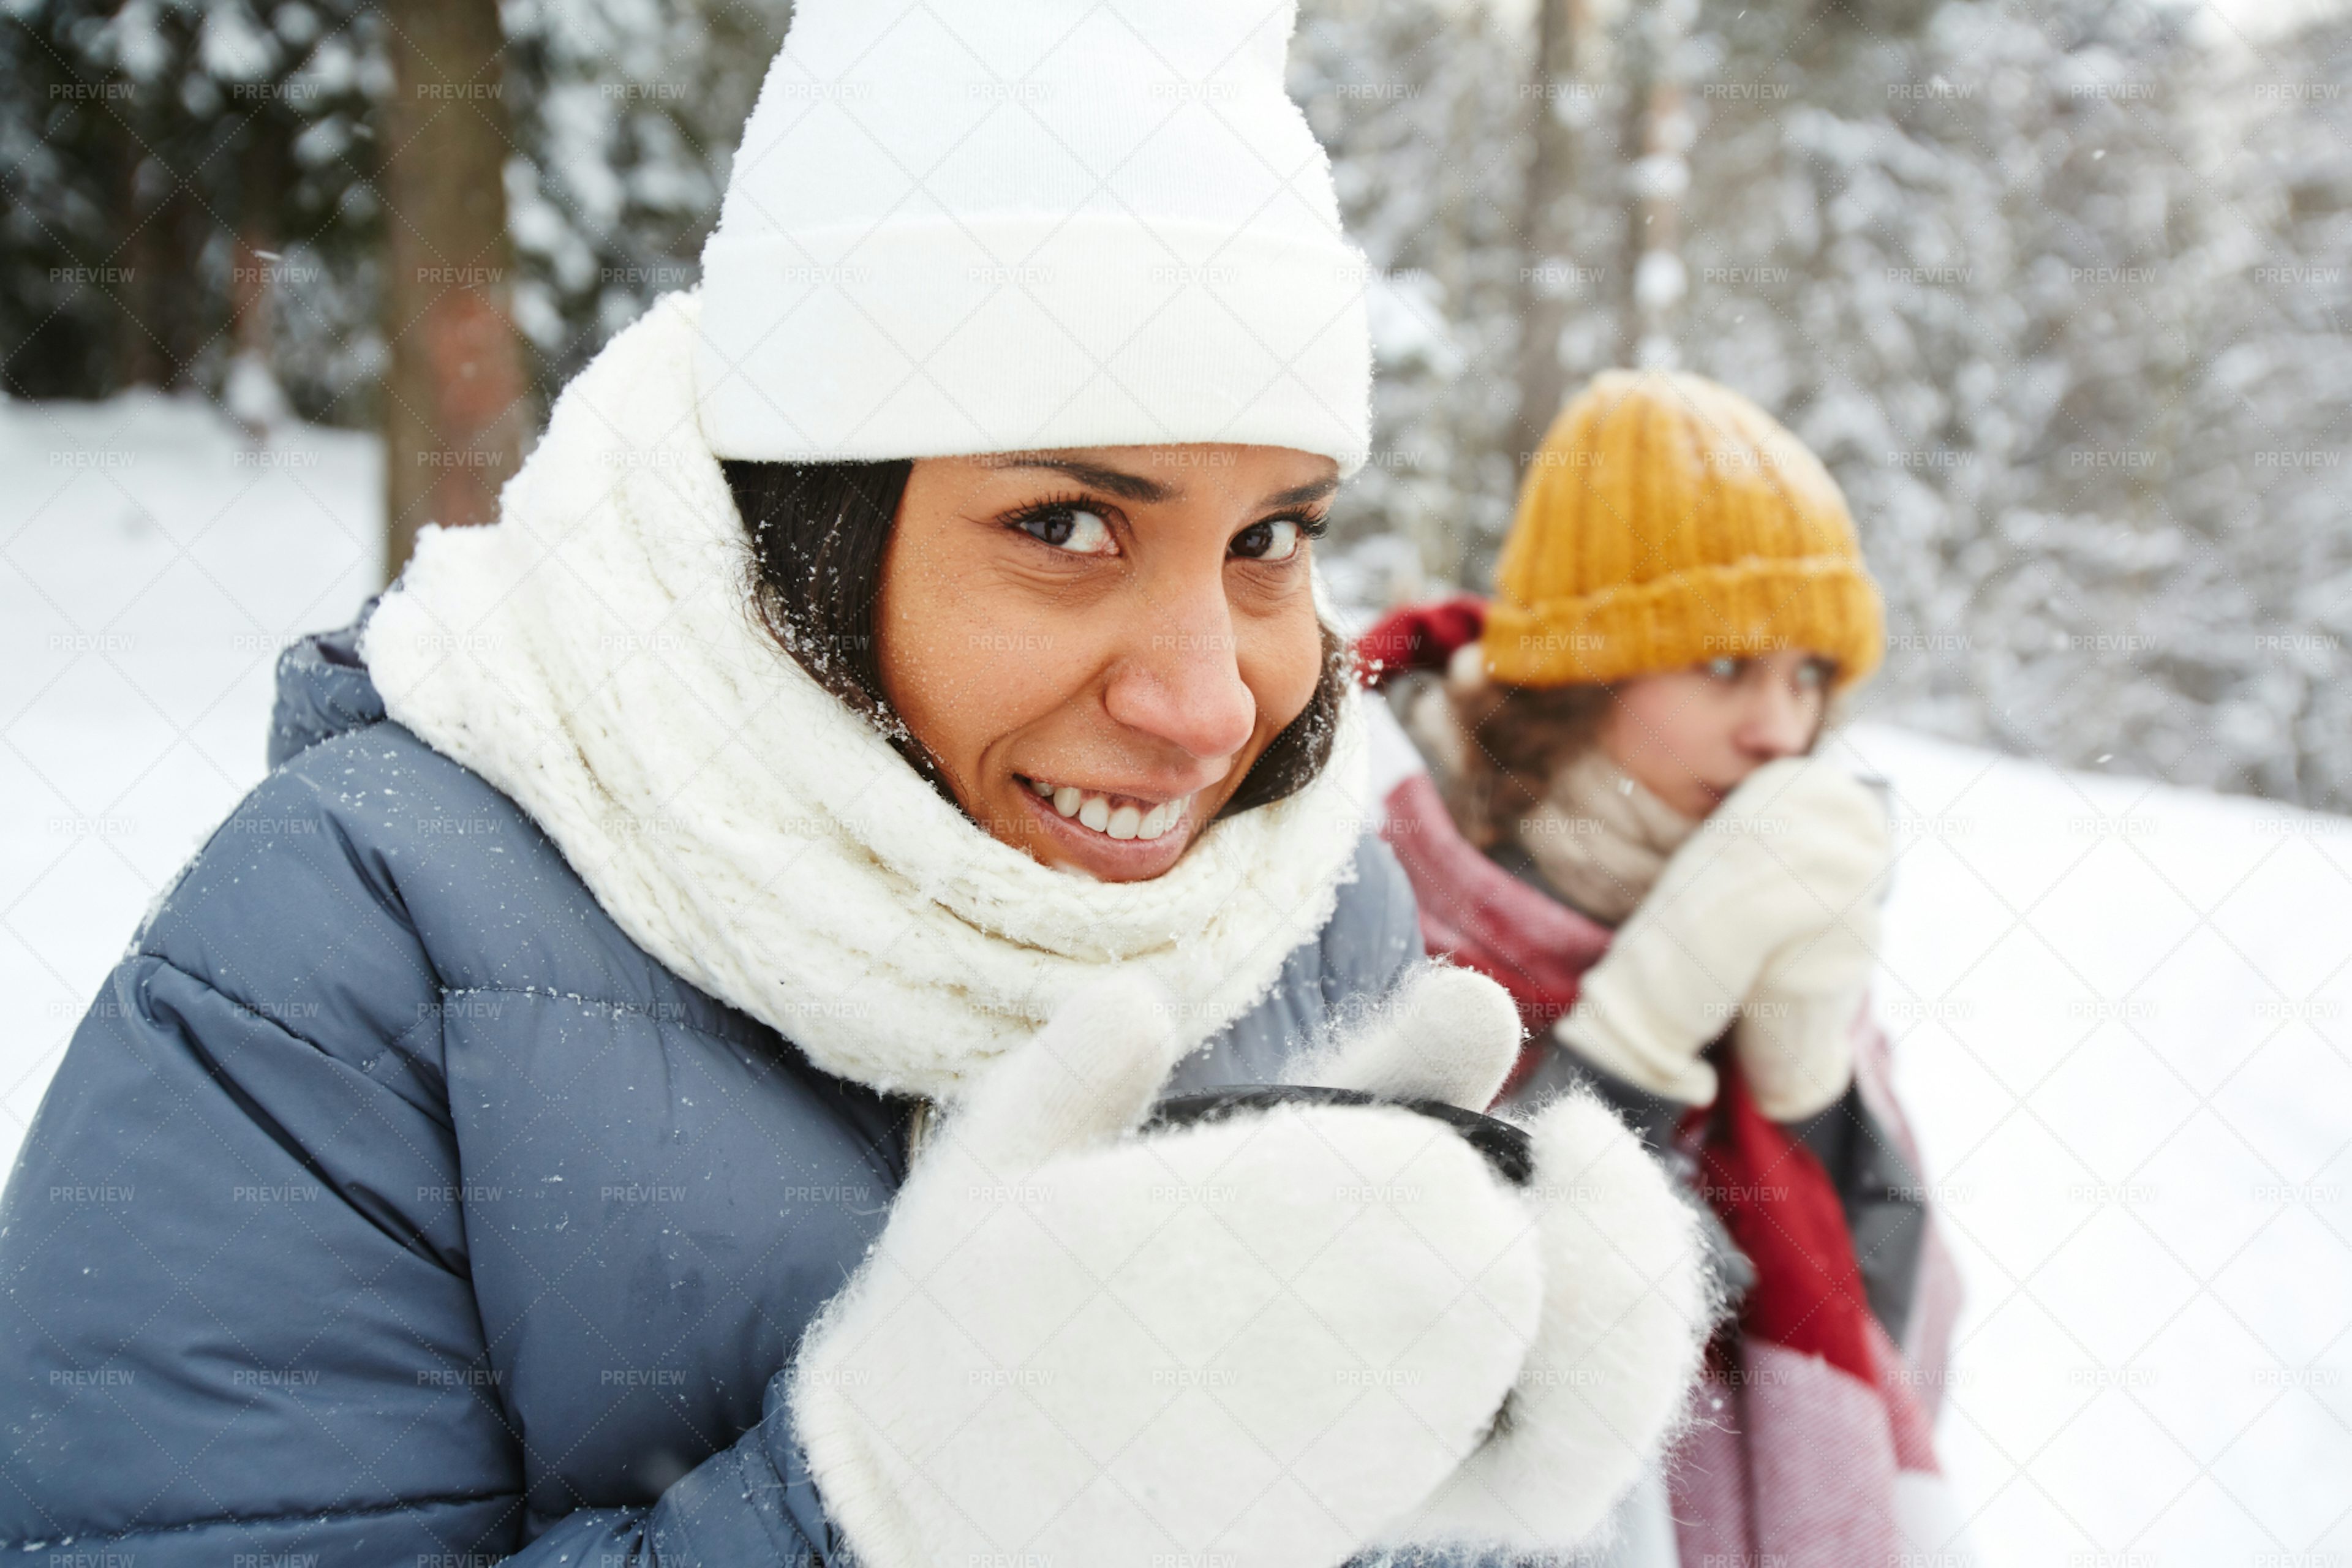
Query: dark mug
1505, 1147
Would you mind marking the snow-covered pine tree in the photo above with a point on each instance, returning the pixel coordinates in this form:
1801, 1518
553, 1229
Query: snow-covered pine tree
2264, 468
1418, 104
1985, 258
183, 176
626, 116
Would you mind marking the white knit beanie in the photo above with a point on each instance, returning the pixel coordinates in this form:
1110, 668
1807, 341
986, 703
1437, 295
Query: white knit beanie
987, 226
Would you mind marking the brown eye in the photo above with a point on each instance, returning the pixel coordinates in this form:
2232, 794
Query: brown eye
1070, 528
1276, 538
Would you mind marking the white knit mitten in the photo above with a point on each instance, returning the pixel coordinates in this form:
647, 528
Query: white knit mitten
1795, 1033
1252, 1341
1627, 1310
1626, 1303
1773, 900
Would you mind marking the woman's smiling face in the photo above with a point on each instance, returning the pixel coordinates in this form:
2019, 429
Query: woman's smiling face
1095, 644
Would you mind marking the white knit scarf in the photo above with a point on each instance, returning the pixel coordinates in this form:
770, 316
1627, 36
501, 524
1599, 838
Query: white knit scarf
1601, 837
1596, 835
595, 656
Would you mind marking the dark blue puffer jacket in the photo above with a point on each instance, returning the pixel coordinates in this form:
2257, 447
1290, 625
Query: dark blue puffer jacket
391, 1207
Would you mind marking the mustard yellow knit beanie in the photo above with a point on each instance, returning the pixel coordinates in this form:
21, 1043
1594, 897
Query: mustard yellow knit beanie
1667, 520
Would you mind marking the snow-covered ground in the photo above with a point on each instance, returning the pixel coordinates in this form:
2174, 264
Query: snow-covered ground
2123, 1017
2121, 1010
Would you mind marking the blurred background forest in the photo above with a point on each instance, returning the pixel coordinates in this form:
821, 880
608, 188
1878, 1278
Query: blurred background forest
2055, 287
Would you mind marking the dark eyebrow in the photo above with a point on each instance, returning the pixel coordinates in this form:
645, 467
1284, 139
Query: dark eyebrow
1124, 485
1304, 495
1135, 487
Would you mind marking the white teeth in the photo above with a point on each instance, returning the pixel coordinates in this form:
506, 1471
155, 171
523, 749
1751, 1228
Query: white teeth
1123, 822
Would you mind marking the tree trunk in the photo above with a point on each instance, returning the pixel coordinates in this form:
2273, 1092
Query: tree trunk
250, 387
456, 401
1552, 166
1637, 78
142, 355
165, 227
1659, 282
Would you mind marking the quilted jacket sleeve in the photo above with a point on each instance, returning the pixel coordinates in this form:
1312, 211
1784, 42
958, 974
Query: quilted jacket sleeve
239, 1323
